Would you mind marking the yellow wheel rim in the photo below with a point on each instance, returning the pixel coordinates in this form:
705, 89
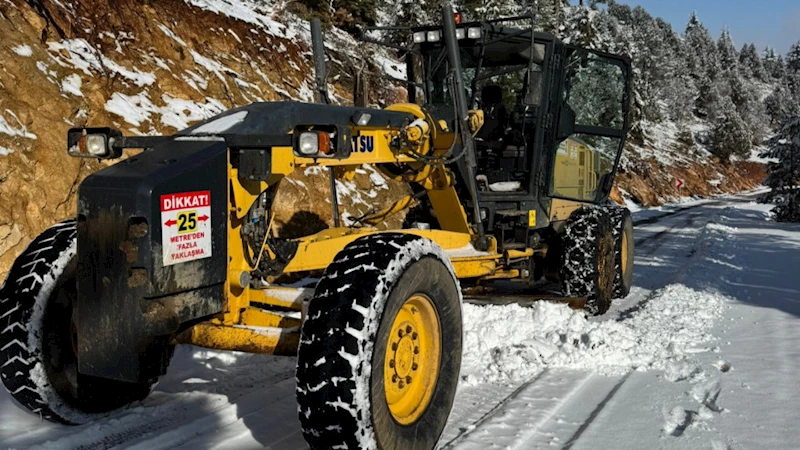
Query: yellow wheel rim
624, 251
411, 366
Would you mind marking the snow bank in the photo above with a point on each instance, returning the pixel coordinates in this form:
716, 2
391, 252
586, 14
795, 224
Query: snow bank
512, 343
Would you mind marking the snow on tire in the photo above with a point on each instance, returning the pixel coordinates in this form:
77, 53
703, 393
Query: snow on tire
37, 358
622, 226
587, 259
351, 347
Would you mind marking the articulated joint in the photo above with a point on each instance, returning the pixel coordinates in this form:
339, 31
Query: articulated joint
417, 131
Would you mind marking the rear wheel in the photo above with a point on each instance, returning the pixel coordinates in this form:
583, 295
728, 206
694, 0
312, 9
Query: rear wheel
380, 350
38, 357
587, 263
623, 251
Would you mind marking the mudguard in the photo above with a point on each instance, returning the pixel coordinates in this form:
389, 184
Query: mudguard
132, 295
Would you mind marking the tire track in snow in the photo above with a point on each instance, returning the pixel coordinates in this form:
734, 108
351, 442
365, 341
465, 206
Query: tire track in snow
483, 416
198, 415
518, 417
596, 412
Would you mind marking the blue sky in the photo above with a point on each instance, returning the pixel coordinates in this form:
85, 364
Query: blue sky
774, 23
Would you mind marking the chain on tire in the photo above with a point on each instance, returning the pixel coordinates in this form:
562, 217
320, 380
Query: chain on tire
587, 260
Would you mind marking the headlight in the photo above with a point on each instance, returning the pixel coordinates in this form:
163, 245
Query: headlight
474, 32
460, 33
93, 143
314, 144
434, 36
419, 37
96, 145
308, 144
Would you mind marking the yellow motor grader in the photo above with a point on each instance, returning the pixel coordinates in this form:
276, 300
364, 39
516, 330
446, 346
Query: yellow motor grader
510, 142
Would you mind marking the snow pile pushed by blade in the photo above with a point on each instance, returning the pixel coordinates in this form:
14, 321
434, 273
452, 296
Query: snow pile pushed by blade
511, 343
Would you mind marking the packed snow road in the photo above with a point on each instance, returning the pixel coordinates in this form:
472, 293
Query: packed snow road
702, 354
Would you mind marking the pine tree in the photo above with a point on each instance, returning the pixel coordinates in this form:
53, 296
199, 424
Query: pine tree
491, 9
784, 173
773, 64
780, 105
793, 58
750, 63
703, 57
728, 57
551, 15
730, 135
349, 15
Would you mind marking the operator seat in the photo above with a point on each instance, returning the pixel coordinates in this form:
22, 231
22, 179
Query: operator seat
495, 115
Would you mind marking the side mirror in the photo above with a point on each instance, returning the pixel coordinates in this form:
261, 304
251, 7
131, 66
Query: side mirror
566, 122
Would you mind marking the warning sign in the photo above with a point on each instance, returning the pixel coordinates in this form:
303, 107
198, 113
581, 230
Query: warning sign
186, 226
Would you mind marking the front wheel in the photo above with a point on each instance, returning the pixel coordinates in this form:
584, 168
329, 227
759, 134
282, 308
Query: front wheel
38, 357
380, 350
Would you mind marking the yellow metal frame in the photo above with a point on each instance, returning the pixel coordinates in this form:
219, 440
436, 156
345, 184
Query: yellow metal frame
266, 319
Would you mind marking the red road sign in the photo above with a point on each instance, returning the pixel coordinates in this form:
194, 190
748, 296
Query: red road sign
678, 183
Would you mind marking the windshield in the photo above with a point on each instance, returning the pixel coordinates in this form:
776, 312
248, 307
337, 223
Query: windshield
508, 64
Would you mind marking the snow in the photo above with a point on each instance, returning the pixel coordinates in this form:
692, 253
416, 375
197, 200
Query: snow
171, 34
256, 13
466, 251
11, 130
514, 343
71, 84
86, 58
222, 124
701, 354
505, 186
212, 66
22, 50
178, 113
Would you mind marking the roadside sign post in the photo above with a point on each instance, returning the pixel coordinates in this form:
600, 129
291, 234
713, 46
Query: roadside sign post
679, 185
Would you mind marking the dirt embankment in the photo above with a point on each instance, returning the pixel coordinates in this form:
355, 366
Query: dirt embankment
144, 67
651, 183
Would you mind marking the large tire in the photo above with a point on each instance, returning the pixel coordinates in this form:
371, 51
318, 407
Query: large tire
38, 363
366, 302
587, 262
622, 224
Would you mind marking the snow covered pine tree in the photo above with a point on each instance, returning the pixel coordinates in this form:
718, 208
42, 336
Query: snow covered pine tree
784, 174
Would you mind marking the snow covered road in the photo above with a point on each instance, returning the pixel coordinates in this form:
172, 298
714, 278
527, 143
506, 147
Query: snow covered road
702, 354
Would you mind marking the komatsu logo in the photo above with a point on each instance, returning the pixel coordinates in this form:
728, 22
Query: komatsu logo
364, 144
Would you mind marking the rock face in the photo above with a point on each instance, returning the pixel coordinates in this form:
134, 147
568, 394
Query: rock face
154, 67
145, 67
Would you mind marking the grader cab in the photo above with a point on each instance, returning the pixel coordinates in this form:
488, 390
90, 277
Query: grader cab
510, 142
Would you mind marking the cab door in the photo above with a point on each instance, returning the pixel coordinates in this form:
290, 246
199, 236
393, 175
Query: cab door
593, 118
